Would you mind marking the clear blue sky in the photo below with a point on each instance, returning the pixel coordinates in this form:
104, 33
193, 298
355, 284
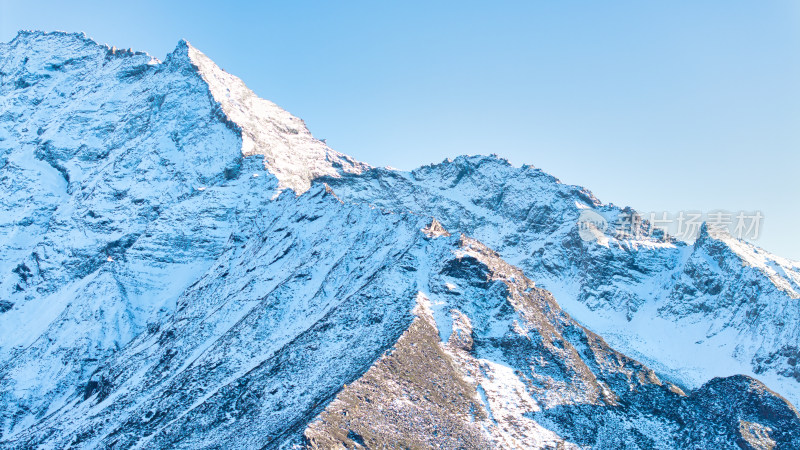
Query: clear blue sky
660, 105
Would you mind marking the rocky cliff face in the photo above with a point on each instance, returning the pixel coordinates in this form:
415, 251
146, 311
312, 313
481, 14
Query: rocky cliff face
124, 180
718, 307
515, 371
184, 265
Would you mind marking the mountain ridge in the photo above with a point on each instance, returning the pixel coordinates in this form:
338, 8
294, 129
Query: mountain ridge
173, 281
638, 291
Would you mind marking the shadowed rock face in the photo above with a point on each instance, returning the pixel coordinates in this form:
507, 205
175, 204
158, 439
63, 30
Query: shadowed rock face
526, 375
121, 182
733, 307
432, 341
415, 396
124, 180
174, 277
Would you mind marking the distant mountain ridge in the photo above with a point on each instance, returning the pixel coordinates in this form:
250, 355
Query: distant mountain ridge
731, 307
184, 265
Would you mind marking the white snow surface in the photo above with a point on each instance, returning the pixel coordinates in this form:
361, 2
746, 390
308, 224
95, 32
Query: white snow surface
290, 152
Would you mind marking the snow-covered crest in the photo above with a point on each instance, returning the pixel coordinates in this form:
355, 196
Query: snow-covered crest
290, 152
721, 306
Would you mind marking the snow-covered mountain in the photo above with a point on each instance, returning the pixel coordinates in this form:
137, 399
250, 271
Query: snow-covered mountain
184, 265
716, 308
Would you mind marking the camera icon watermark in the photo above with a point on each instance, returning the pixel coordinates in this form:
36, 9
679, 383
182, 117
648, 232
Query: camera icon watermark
591, 225
683, 225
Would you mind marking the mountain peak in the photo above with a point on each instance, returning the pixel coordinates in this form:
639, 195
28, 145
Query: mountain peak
290, 152
710, 231
720, 244
181, 50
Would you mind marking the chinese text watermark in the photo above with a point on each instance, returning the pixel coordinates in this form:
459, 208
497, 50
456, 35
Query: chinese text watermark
683, 225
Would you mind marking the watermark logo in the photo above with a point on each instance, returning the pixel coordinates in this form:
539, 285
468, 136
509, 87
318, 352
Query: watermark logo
683, 225
591, 225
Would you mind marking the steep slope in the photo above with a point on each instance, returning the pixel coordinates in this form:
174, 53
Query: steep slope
290, 152
262, 343
716, 308
514, 371
261, 340
124, 180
